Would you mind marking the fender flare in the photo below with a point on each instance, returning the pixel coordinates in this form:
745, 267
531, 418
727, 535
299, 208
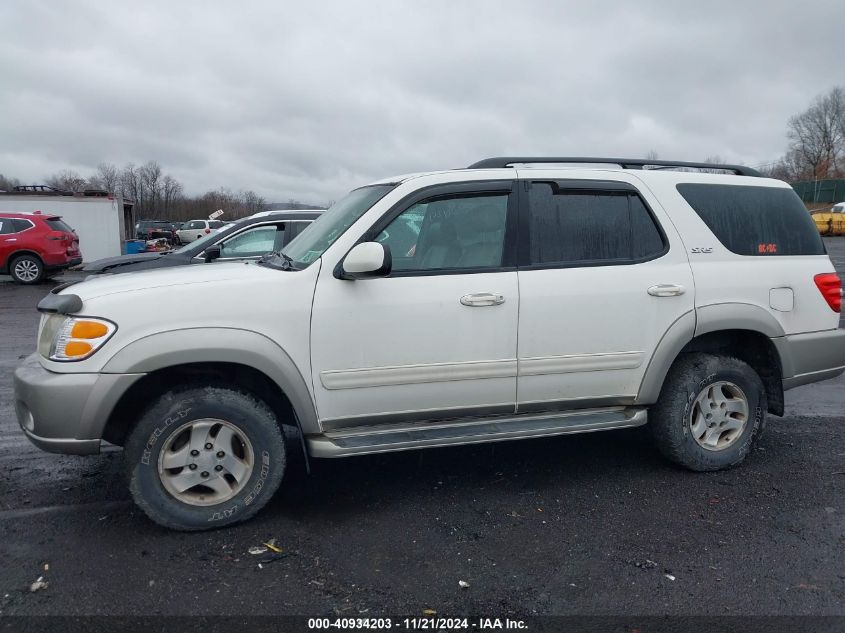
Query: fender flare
220, 345
703, 320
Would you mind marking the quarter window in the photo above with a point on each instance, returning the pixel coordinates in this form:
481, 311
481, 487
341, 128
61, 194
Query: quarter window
461, 232
572, 226
753, 220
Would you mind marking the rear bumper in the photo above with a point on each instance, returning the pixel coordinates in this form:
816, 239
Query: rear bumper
62, 265
812, 357
66, 413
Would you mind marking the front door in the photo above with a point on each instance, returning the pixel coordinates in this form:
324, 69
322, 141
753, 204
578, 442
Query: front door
436, 338
603, 275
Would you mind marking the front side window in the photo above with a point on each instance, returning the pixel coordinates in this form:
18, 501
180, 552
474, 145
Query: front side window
444, 233
753, 220
253, 242
310, 245
573, 226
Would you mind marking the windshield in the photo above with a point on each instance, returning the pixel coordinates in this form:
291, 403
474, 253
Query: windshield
205, 239
310, 245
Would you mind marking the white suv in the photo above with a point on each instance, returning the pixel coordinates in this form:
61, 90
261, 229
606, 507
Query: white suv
195, 229
517, 298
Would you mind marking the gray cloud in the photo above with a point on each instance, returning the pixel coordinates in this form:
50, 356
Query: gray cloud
308, 100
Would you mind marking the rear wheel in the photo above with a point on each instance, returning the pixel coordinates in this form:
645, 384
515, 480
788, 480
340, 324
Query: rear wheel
205, 457
26, 269
710, 412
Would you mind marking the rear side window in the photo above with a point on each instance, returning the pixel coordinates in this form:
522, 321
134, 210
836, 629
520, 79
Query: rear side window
751, 220
57, 224
215, 224
572, 227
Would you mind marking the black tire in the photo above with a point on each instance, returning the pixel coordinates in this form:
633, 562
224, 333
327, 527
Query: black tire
250, 416
669, 418
29, 263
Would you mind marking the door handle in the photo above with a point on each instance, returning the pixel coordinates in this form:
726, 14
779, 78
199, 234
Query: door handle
482, 299
666, 290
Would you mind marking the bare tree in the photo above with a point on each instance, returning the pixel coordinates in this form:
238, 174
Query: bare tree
817, 136
171, 191
151, 177
8, 184
106, 177
652, 155
67, 180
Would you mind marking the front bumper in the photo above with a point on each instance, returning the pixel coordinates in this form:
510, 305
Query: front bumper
812, 357
66, 413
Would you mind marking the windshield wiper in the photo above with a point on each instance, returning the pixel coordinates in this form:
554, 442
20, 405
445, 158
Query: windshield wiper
270, 260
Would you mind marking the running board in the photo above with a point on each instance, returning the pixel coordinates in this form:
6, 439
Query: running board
363, 440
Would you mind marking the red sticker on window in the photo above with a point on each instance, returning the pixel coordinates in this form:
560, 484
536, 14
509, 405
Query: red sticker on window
765, 249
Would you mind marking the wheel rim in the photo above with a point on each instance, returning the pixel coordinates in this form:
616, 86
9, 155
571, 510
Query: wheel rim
719, 415
205, 462
26, 270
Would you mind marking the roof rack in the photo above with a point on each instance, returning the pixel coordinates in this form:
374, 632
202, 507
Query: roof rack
625, 163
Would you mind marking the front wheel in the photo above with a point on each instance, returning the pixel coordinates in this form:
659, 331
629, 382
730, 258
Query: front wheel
204, 457
710, 412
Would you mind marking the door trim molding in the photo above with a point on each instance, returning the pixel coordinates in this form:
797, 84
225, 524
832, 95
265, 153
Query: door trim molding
366, 377
545, 365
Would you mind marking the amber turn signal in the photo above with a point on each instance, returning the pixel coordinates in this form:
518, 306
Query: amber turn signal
88, 329
77, 348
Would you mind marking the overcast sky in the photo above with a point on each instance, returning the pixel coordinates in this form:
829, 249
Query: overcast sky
308, 99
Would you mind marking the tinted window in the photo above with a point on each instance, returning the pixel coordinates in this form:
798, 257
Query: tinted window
196, 224
296, 227
571, 226
449, 233
56, 224
6, 226
751, 220
215, 224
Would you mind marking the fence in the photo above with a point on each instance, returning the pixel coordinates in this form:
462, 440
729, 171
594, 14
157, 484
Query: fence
831, 191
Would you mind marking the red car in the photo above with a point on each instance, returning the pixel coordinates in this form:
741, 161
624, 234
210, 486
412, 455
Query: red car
35, 244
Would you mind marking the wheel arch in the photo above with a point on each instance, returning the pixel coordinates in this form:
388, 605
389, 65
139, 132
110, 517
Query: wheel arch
231, 356
18, 253
743, 331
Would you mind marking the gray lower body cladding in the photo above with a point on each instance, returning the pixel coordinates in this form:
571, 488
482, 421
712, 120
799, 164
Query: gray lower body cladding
811, 357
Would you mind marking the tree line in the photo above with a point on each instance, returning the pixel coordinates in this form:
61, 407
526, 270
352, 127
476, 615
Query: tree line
816, 149
157, 195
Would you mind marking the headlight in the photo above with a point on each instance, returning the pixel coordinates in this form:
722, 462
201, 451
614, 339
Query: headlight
65, 338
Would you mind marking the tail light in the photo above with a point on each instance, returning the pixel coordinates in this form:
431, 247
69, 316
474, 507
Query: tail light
208, 231
830, 286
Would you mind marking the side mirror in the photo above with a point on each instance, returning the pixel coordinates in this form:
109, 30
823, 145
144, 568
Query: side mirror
367, 259
211, 253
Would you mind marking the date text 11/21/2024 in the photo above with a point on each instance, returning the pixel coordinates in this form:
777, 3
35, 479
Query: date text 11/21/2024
418, 623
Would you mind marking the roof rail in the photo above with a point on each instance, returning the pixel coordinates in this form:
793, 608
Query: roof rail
625, 163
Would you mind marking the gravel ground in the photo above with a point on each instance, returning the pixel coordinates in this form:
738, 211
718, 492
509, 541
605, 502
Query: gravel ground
589, 524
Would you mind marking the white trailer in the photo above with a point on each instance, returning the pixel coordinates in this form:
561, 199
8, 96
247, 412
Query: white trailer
102, 221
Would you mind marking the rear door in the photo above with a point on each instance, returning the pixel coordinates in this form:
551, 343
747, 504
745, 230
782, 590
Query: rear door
602, 276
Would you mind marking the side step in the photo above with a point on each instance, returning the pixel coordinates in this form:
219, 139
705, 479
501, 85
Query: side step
363, 440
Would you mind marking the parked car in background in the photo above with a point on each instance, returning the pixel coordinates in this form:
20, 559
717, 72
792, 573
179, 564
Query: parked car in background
839, 207
248, 238
154, 229
32, 245
195, 229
